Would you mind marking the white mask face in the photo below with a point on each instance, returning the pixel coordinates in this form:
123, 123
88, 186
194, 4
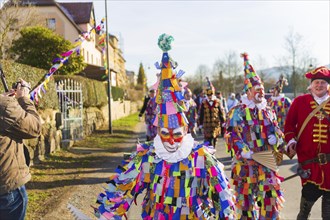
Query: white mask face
258, 93
172, 138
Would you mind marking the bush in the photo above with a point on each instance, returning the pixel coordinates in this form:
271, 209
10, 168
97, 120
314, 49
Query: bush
94, 92
13, 71
117, 93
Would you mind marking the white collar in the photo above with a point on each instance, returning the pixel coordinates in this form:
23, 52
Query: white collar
252, 105
213, 97
279, 97
322, 99
183, 152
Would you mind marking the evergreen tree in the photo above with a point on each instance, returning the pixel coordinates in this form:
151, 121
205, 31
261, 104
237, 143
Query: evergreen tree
142, 79
38, 46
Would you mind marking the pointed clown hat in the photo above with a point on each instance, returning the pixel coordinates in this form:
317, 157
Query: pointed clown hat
169, 97
279, 84
251, 77
321, 72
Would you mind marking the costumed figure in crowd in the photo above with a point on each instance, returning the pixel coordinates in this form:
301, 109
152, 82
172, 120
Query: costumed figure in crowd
225, 108
232, 101
222, 100
212, 115
149, 108
199, 100
19, 120
191, 112
252, 134
182, 180
279, 102
307, 131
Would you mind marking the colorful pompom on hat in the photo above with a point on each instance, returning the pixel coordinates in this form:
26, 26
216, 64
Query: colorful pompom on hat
169, 97
279, 84
321, 72
251, 77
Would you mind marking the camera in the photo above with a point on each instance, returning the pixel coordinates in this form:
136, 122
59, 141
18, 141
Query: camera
15, 84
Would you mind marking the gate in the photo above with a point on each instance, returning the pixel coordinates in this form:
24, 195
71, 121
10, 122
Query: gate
71, 106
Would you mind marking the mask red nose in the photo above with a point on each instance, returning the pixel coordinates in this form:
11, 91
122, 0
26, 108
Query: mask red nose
171, 141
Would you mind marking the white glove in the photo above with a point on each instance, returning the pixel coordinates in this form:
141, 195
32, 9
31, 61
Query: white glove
272, 140
292, 143
247, 155
200, 127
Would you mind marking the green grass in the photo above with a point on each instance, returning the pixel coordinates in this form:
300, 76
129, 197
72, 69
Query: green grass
128, 122
57, 171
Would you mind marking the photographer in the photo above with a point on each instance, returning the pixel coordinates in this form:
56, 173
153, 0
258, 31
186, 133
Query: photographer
19, 120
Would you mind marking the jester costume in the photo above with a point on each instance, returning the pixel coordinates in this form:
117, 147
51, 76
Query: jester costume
149, 108
252, 129
212, 115
193, 188
185, 183
280, 104
191, 114
257, 187
149, 117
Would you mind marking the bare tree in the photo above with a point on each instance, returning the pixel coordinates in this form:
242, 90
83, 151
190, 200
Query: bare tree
13, 17
226, 71
298, 59
202, 72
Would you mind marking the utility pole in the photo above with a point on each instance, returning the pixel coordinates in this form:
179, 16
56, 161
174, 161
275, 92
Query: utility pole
108, 67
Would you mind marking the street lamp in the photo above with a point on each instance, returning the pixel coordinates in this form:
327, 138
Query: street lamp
108, 66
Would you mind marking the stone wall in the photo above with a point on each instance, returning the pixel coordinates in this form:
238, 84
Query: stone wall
94, 118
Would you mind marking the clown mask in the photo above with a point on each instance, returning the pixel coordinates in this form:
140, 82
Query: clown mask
172, 138
257, 94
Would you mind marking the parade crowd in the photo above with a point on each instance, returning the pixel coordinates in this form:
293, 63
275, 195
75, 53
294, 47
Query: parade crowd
181, 178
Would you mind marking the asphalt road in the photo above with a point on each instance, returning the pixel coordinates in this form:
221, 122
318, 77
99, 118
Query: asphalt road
291, 187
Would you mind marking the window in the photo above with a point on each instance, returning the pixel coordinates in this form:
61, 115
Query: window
51, 23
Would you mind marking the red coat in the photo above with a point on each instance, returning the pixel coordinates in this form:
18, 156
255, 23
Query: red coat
313, 140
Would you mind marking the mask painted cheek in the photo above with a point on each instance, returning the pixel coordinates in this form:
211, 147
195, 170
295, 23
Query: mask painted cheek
178, 139
171, 140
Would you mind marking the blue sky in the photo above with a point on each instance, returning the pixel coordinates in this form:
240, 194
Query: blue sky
206, 30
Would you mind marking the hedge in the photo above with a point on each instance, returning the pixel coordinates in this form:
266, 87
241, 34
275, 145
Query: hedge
94, 92
13, 71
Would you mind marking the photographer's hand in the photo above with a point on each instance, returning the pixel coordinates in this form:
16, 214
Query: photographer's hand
22, 89
9, 93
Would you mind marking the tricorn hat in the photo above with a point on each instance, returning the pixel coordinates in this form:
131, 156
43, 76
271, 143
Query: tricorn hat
321, 72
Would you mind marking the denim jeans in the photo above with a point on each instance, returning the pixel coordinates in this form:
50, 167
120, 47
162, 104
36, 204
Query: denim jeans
13, 204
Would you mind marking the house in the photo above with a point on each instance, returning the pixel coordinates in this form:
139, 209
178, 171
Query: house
70, 19
131, 77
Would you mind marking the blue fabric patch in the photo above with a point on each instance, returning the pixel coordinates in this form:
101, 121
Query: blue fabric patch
163, 109
167, 83
166, 96
173, 121
178, 95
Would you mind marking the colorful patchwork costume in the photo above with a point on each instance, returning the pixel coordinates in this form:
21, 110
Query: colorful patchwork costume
251, 128
149, 108
279, 102
187, 183
191, 114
